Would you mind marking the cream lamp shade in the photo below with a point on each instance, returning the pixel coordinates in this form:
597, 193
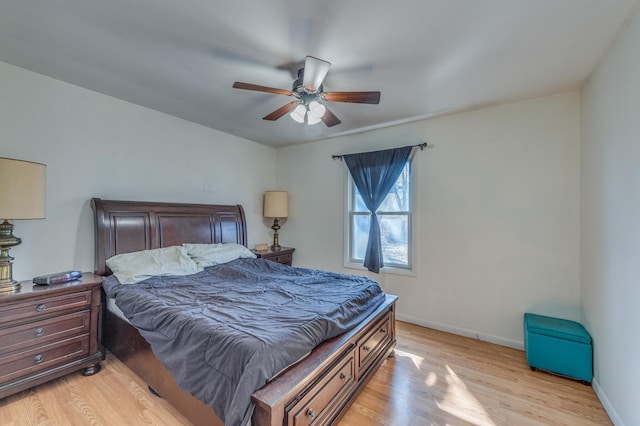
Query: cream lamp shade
22, 196
276, 204
22, 189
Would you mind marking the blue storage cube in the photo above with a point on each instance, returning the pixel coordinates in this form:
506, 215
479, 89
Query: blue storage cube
559, 346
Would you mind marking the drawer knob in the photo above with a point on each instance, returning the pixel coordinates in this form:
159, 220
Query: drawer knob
343, 376
383, 330
39, 331
366, 348
41, 308
38, 358
310, 413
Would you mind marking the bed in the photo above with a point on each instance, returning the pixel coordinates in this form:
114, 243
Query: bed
315, 390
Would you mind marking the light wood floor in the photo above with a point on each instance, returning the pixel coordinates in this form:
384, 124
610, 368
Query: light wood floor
435, 378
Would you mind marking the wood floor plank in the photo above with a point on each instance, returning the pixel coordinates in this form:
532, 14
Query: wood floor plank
435, 378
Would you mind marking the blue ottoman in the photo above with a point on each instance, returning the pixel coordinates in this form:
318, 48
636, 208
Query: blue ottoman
558, 346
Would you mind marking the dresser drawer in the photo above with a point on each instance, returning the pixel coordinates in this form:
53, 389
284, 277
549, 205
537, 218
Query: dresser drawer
324, 399
40, 332
373, 344
43, 357
34, 309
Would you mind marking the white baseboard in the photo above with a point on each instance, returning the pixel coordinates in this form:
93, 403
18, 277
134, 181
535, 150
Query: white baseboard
510, 343
613, 415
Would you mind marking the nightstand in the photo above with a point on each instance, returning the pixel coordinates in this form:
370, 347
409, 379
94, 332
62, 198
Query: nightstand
284, 255
49, 331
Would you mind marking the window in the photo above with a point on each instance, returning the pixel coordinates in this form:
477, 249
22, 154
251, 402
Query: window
394, 216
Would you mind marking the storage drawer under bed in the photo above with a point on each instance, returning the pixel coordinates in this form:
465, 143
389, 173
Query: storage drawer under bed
323, 400
373, 344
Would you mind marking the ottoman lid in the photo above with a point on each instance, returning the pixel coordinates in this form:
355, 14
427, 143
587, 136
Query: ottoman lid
556, 327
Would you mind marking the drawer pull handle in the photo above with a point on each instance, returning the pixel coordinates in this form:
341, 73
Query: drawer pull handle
41, 308
343, 376
366, 348
39, 331
310, 413
383, 330
38, 358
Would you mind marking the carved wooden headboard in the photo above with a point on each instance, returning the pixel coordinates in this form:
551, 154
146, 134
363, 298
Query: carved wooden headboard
126, 226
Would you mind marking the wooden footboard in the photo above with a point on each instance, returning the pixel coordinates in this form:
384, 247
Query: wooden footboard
316, 390
319, 389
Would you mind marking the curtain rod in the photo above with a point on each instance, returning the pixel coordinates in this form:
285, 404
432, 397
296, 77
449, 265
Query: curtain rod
422, 146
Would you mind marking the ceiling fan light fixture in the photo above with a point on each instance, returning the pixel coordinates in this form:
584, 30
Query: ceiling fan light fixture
312, 120
298, 113
316, 110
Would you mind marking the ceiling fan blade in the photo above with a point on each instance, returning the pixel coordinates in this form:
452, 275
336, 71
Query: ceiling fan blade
258, 88
281, 111
315, 70
353, 97
329, 118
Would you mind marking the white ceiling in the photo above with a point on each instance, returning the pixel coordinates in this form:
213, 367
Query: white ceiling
427, 57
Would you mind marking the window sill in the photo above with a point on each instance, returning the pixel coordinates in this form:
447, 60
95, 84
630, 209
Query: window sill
385, 270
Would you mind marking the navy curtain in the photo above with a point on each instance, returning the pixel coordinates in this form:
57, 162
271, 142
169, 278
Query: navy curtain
374, 174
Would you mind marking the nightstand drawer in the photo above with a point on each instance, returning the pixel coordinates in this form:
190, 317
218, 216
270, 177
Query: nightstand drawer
284, 255
33, 309
43, 358
285, 258
37, 333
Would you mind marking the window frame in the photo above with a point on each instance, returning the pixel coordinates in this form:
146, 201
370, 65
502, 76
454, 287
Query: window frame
394, 268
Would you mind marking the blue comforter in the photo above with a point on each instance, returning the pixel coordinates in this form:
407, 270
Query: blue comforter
224, 332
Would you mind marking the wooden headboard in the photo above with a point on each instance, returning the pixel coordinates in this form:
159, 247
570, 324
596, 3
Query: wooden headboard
126, 226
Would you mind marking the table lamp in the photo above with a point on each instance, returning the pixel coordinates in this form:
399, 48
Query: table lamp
276, 205
22, 196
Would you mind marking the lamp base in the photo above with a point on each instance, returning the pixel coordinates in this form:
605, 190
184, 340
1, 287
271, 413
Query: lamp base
276, 244
7, 240
10, 287
7, 283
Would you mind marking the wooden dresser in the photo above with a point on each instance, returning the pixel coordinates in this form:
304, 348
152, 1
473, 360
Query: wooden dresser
49, 331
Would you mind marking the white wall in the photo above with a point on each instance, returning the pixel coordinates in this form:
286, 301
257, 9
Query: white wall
99, 146
497, 207
610, 247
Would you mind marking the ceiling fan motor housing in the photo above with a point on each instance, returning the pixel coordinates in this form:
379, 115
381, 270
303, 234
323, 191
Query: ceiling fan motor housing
299, 88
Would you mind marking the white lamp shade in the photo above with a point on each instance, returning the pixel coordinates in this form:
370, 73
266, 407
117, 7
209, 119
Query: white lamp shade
298, 113
316, 110
22, 189
311, 121
276, 204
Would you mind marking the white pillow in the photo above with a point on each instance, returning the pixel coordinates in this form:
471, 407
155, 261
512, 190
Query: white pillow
215, 254
137, 266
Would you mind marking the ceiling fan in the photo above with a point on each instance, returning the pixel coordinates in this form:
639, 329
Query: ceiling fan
308, 91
